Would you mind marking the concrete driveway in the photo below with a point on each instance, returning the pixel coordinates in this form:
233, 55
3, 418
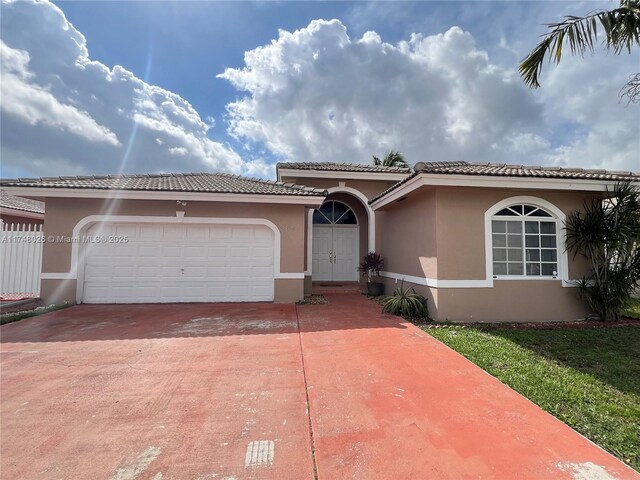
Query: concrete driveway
221, 391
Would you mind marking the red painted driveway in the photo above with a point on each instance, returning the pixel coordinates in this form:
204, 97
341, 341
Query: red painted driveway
218, 391
389, 401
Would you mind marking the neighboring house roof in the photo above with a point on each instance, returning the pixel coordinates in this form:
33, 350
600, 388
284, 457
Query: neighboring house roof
461, 168
22, 204
171, 182
342, 167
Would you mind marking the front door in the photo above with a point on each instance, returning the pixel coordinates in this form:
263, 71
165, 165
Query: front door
335, 243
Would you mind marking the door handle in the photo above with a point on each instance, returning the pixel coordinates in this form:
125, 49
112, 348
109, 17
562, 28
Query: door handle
330, 256
334, 257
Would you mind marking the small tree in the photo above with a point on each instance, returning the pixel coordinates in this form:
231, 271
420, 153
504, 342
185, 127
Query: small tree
607, 233
391, 159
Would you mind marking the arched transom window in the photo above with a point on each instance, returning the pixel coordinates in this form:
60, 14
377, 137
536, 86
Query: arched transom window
525, 242
334, 213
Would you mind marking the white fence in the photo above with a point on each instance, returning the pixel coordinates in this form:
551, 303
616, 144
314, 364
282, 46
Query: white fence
21, 257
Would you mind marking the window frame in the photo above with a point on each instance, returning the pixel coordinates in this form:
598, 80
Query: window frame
332, 222
557, 216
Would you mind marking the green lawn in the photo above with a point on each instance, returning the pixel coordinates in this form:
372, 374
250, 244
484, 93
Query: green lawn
14, 317
588, 378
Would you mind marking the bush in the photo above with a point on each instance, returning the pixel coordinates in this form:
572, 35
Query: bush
607, 234
406, 303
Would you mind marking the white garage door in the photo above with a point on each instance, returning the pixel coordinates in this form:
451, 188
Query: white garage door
179, 263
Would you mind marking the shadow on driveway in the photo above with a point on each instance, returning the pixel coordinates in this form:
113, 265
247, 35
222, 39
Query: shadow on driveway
151, 321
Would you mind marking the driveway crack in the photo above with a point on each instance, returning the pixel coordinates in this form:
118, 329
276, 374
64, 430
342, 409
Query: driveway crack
306, 393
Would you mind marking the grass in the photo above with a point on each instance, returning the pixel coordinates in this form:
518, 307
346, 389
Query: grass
14, 317
588, 378
633, 310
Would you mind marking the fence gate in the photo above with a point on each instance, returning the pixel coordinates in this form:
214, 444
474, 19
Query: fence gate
21, 257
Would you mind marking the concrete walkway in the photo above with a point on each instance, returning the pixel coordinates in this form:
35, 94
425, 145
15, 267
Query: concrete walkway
389, 401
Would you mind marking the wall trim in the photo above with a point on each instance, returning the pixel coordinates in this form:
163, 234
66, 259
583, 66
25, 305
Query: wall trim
560, 217
434, 283
57, 276
371, 215
288, 276
309, 242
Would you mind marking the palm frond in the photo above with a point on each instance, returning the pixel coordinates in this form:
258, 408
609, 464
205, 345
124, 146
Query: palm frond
621, 28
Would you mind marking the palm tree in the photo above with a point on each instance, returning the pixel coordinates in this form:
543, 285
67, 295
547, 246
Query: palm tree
607, 234
391, 159
622, 31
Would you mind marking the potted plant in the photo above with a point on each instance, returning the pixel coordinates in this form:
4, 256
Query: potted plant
370, 266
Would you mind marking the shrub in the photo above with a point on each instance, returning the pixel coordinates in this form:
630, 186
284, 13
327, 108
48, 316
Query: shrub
371, 265
406, 303
607, 233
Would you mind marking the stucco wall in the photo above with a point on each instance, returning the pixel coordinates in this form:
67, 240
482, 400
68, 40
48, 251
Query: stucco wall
407, 236
460, 227
438, 233
63, 214
512, 301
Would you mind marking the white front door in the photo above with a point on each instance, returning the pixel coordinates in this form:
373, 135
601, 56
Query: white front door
335, 253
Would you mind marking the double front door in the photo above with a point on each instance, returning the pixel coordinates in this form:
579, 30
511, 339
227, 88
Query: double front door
335, 253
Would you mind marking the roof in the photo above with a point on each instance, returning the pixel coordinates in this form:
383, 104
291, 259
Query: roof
170, 182
342, 167
506, 170
19, 203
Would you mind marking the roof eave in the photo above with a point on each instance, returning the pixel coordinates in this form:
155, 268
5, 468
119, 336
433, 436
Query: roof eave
17, 212
61, 192
304, 172
489, 181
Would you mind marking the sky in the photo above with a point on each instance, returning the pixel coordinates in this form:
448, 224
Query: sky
100, 87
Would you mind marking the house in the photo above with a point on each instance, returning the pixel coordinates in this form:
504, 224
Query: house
21, 211
483, 242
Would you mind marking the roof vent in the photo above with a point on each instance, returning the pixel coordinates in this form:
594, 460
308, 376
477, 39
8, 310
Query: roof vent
419, 166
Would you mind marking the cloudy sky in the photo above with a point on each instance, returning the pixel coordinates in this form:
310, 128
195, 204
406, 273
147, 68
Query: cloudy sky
141, 87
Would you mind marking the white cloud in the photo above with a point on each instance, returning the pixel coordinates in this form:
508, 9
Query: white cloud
583, 92
315, 94
34, 105
59, 107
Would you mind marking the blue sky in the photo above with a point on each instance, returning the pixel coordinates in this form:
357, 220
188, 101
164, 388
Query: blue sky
135, 87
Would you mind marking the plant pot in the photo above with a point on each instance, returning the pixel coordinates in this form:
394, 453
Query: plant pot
375, 289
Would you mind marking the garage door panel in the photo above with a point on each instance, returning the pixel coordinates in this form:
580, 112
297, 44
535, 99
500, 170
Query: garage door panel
241, 234
180, 263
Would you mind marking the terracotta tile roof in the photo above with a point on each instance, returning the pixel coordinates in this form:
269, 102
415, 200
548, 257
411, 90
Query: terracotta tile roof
505, 170
171, 182
19, 203
342, 167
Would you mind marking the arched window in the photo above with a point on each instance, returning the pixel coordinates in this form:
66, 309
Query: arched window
524, 242
334, 213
